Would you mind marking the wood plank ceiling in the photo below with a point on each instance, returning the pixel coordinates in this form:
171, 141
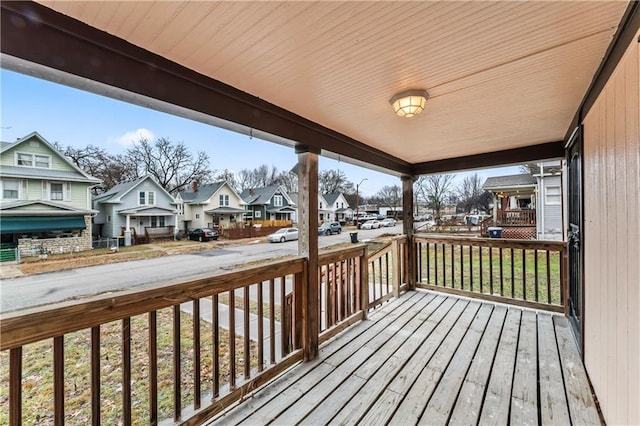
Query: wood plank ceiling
500, 75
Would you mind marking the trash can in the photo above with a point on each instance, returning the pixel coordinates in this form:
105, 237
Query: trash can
495, 232
354, 237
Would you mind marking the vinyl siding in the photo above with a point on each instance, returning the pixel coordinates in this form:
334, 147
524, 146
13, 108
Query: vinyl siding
611, 234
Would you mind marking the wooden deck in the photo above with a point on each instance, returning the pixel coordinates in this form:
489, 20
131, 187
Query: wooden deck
430, 358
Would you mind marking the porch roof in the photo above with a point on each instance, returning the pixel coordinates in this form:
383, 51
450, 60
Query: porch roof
225, 210
505, 79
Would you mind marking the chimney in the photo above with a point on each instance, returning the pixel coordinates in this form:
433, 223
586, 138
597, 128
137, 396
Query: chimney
250, 191
194, 186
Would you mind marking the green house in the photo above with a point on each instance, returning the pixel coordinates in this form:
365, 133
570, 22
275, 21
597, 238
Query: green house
45, 200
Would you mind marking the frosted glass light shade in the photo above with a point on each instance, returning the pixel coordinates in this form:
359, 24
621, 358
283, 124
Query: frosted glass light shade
409, 103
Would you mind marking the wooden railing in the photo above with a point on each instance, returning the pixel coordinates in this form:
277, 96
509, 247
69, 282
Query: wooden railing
181, 352
388, 271
138, 356
343, 299
521, 272
516, 217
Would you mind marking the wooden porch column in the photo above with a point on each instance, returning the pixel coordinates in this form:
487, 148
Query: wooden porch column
308, 247
407, 227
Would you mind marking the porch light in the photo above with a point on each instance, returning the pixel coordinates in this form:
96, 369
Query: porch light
409, 103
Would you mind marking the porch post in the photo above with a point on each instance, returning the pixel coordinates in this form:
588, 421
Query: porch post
308, 247
127, 231
407, 227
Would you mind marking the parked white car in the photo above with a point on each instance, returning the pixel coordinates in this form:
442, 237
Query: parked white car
370, 224
282, 235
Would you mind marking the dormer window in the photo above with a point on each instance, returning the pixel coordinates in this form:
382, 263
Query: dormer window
33, 160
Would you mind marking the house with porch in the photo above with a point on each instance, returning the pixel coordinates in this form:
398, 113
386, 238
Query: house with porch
412, 333
210, 205
334, 207
528, 205
269, 203
140, 210
45, 200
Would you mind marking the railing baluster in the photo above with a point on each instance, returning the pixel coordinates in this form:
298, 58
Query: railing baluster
548, 278
481, 272
272, 322
58, 380
453, 266
386, 260
283, 331
491, 270
15, 386
461, 267
95, 376
126, 371
247, 337
260, 326
535, 268
153, 368
419, 247
524, 274
513, 277
444, 267
177, 372
232, 339
381, 275
196, 354
501, 273
339, 295
215, 342
471, 268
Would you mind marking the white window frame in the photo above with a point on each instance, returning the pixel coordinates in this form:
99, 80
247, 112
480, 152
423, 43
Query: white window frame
258, 214
146, 198
38, 156
278, 200
33, 160
51, 184
18, 183
553, 195
223, 200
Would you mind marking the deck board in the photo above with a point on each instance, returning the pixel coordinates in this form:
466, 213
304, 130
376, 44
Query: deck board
429, 358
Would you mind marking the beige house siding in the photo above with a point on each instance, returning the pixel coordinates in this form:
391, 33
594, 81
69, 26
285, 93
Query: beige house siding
611, 235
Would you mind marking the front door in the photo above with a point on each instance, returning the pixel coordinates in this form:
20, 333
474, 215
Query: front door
575, 237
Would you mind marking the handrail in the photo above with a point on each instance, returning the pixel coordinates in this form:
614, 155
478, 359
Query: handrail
32, 325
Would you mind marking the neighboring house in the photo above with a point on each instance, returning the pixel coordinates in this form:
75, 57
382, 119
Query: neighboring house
213, 204
137, 209
334, 207
45, 203
269, 203
532, 201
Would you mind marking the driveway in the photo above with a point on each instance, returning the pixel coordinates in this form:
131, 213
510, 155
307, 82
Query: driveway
40, 289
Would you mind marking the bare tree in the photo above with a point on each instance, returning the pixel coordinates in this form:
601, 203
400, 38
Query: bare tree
95, 161
390, 196
332, 181
171, 164
469, 193
227, 176
259, 177
289, 180
434, 190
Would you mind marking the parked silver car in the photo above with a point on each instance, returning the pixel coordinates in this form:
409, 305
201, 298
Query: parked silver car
370, 224
282, 235
388, 222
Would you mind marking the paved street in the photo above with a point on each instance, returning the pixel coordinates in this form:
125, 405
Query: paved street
34, 290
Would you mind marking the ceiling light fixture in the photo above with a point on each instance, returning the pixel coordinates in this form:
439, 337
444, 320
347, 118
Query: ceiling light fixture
409, 103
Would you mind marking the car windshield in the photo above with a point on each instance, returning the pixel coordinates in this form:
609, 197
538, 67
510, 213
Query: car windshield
280, 231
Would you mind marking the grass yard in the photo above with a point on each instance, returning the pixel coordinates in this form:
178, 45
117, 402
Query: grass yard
37, 388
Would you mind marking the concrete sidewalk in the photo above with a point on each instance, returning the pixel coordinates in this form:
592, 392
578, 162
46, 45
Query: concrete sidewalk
223, 320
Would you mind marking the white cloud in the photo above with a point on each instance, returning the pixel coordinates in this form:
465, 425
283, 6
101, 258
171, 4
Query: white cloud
129, 138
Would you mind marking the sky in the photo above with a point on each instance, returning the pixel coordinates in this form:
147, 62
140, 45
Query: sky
74, 117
